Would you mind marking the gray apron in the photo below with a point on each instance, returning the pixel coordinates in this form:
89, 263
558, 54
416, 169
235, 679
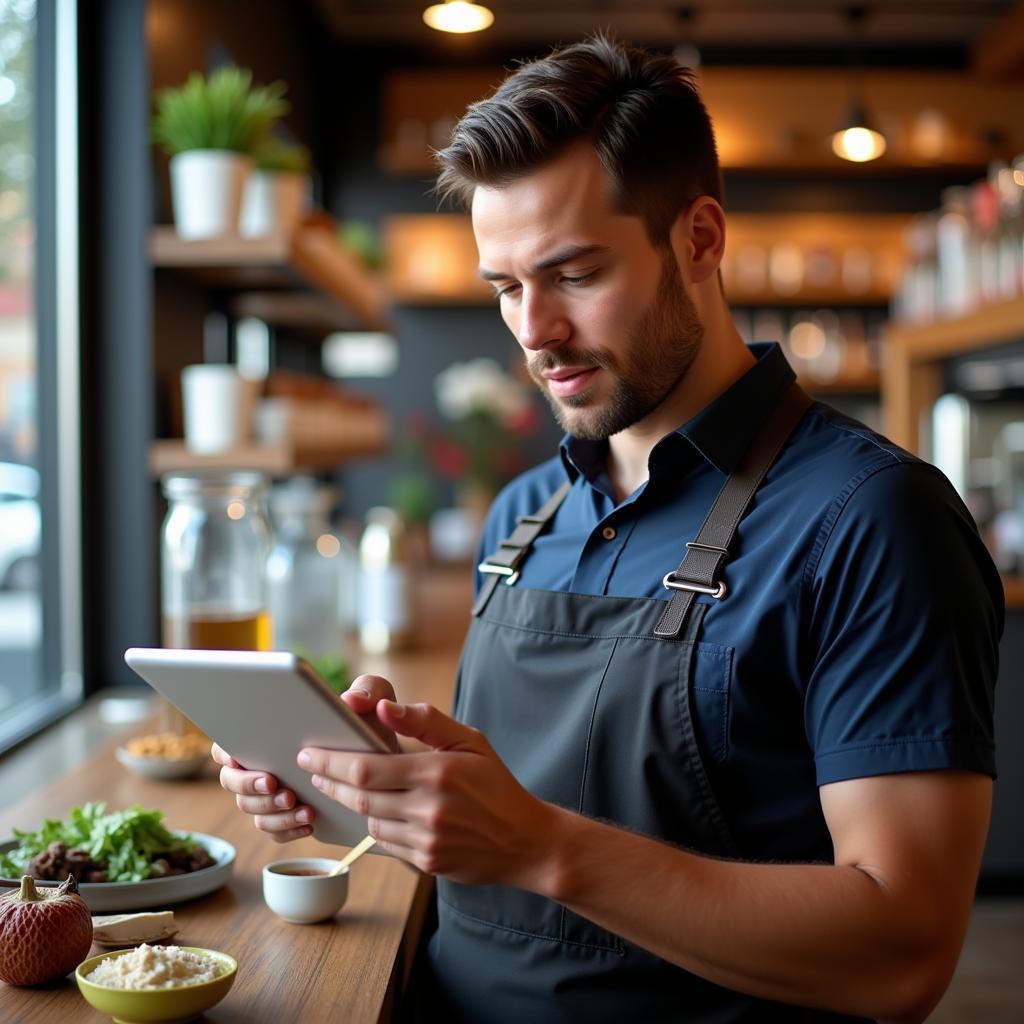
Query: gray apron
588, 701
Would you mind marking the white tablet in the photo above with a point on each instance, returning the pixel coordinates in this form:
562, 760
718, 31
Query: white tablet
263, 707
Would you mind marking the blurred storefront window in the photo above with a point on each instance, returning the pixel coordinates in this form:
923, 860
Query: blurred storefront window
39, 565
20, 519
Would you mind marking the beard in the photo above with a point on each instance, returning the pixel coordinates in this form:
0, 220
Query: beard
659, 351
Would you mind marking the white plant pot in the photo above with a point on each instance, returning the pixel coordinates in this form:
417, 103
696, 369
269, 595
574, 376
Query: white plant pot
206, 190
275, 202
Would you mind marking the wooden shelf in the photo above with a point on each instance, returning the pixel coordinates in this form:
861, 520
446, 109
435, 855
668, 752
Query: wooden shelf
765, 118
912, 380
432, 258
989, 325
310, 260
308, 312
168, 456
811, 298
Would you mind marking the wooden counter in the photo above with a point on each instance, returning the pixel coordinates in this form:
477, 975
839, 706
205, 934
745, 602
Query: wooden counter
351, 969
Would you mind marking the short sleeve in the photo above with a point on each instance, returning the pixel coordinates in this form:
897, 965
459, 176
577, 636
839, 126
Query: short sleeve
904, 614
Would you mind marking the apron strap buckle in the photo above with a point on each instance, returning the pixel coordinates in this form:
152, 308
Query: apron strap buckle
510, 573
670, 582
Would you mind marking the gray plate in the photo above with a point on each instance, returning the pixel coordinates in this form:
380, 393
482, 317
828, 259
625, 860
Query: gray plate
108, 897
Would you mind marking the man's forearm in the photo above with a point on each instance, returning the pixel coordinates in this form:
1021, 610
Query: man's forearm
817, 935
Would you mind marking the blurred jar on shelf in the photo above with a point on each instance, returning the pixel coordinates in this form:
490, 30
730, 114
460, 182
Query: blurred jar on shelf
984, 250
386, 606
957, 276
1009, 187
214, 548
306, 571
969, 253
917, 297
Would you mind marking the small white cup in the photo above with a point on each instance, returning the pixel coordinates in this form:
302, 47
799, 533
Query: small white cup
217, 407
304, 899
273, 202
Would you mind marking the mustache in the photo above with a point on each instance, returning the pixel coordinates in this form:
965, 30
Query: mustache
542, 362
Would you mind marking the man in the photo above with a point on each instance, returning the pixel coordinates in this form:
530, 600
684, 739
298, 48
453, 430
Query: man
752, 783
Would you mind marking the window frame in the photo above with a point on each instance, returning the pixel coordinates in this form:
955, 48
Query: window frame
58, 377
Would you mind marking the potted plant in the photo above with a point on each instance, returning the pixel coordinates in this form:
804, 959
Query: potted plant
277, 191
211, 127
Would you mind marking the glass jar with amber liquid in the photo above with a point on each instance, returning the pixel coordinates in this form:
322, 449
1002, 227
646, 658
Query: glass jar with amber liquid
213, 567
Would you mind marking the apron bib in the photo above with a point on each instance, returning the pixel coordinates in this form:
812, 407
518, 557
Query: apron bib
588, 701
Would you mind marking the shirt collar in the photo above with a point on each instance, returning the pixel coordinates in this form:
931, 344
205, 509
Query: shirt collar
721, 432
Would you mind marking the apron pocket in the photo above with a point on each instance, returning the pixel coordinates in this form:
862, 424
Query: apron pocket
712, 670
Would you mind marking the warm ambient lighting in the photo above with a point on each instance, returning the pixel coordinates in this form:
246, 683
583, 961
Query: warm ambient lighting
858, 144
856, 140
458, 16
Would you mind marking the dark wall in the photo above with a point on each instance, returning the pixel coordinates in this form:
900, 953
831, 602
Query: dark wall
275, 40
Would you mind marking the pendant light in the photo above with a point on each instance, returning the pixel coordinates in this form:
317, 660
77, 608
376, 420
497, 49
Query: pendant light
458, 16
857, 139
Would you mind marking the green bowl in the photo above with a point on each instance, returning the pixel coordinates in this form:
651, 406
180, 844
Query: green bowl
168, 1005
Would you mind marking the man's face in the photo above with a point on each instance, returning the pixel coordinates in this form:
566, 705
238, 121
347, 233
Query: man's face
605, 322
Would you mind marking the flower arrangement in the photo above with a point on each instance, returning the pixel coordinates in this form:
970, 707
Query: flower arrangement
480, 445
490, 413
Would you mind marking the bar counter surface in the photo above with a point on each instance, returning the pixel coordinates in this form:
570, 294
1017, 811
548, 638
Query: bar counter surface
350, 969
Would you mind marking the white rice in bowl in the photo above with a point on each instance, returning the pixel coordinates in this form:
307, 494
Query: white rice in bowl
156, 967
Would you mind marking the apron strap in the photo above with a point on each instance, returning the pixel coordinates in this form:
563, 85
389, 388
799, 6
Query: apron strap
505, 562
706, 555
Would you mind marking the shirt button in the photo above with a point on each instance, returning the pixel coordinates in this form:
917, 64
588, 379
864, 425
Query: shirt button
608, 533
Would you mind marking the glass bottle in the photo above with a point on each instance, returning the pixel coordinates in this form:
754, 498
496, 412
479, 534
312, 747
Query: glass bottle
385, 610
985, 226
214, 551
954, 245
305, 571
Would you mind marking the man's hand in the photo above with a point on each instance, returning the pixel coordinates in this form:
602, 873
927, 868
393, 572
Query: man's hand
276, 810
454, 810
363, 696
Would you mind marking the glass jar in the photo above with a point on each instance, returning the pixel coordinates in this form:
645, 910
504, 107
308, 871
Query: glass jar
386, 600
305, 571
213, 583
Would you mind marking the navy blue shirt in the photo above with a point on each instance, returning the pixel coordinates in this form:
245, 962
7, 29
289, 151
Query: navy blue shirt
859, 635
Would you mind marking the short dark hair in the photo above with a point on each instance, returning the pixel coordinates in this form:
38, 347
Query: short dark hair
642, 111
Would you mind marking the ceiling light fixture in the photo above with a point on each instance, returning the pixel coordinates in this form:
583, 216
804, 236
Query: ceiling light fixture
857, 139
458, 16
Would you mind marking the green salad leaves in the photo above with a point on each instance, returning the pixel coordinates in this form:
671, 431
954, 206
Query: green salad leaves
125, 841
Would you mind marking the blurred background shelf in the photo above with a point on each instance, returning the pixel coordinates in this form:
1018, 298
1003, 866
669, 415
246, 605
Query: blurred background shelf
914, 358
1014, 589
311, 260
309, 313
982, 328
171, 455
802, 259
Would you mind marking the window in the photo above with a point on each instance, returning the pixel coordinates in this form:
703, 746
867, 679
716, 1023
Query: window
40, 662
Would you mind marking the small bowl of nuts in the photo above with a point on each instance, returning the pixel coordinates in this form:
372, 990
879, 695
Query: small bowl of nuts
165, 755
